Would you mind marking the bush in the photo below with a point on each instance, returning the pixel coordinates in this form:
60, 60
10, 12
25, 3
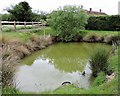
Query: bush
104, 23
99, 61
67, 21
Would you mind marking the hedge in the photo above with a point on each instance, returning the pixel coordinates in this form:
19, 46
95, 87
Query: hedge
104, 23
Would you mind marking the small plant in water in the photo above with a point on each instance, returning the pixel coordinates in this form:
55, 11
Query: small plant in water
99, 61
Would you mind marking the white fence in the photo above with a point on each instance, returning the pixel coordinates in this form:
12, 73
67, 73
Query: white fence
15, 23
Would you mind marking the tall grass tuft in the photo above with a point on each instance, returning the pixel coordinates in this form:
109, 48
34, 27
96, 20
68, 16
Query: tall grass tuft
8, 65
99, 61
22, 51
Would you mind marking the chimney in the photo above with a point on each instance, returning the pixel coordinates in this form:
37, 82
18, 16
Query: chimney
90, 9
100, 10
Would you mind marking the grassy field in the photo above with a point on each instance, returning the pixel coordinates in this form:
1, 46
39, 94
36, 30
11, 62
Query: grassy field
25, 35
102, 33
8, 28
16, 35
49, 30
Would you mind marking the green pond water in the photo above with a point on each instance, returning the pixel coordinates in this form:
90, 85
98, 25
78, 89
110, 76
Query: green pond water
47, 69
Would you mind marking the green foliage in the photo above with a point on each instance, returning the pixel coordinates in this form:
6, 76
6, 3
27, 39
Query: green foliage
67, 21
9, 90
7, 17
21, 12
114, 61
104, 23
39, 16
99, 80
99, 61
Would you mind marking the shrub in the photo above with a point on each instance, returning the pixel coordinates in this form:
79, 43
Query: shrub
104, 23
67, 21
99, 61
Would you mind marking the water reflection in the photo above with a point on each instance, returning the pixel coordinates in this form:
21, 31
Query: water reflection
43, 76
68, 57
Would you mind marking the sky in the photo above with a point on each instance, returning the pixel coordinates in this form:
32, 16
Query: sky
108, 6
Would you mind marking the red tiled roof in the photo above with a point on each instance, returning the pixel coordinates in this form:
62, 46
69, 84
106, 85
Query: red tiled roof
96, 13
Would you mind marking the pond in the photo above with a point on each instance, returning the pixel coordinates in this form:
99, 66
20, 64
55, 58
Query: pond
47, 69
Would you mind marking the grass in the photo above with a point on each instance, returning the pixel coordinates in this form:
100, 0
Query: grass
9, 28
9, 90
102, 33
106, 88
47, 30
8, 69
22, 36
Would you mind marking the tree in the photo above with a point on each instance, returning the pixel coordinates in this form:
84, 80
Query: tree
67, 21
38, 15
7, 17
21, 12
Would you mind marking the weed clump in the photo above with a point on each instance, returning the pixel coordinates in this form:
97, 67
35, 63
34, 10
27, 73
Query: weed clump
99, 61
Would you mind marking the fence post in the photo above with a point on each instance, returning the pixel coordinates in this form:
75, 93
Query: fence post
38, 24
25, 24
15, 25
1, 25
32, 25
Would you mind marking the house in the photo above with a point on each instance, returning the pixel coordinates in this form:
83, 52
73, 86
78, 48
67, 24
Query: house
90, 12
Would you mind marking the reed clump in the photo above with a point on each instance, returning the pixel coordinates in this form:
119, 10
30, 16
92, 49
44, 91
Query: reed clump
99, 61
8, 67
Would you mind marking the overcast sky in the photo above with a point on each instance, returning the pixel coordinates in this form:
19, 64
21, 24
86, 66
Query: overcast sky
108, 6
